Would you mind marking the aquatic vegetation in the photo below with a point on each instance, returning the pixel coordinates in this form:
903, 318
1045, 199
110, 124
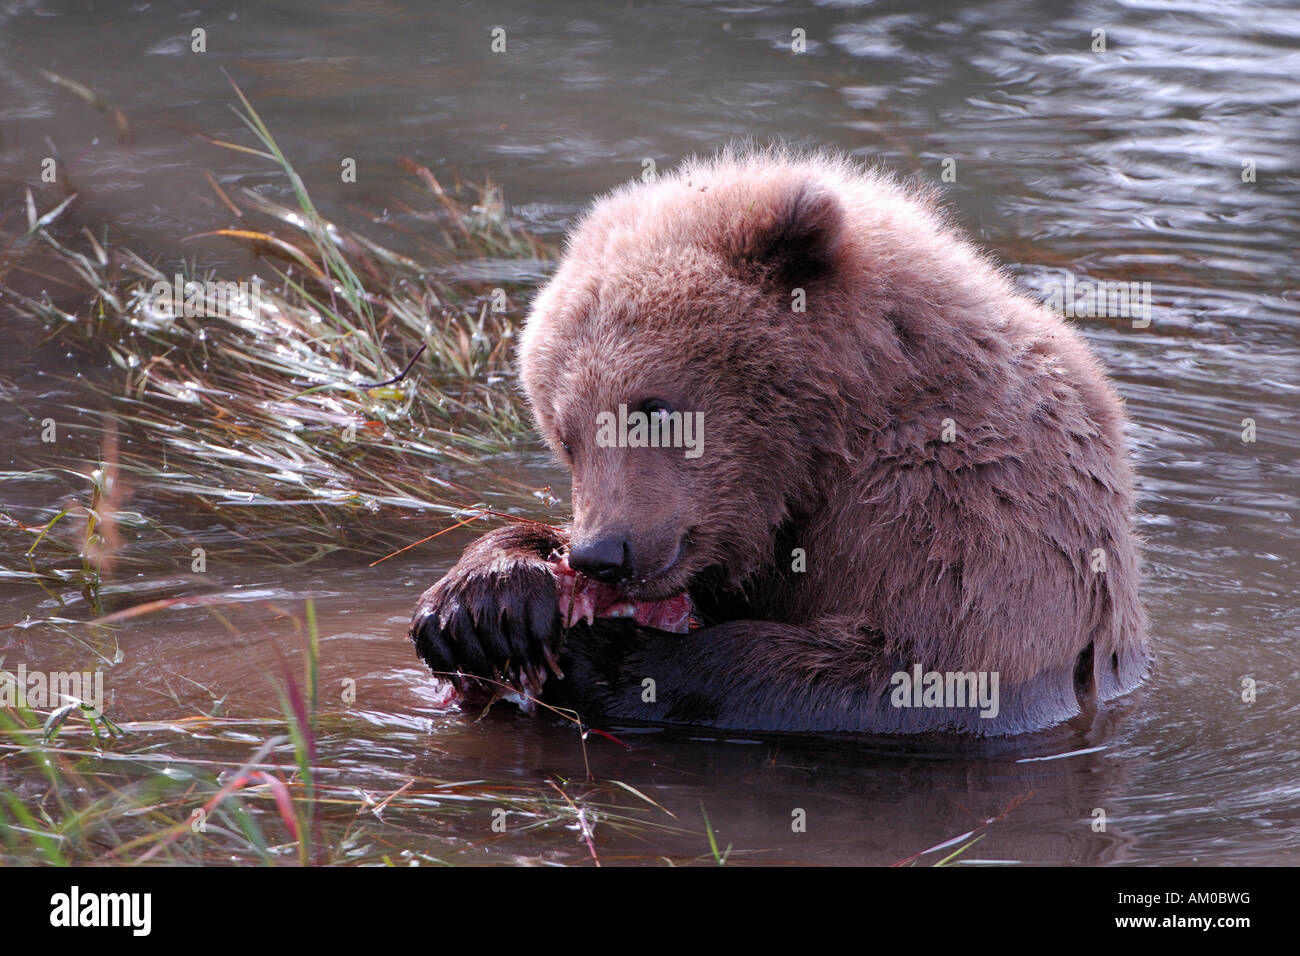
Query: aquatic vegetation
346, 377
213, 788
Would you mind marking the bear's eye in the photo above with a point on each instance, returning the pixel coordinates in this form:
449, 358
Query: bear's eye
565, 445
655, 406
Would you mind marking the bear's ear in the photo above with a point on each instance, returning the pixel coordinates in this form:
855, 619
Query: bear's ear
787, 239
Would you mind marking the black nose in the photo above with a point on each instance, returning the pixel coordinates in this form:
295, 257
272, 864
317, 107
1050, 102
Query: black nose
605, 559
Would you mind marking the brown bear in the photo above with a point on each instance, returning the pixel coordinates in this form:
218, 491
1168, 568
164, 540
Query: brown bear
907, 504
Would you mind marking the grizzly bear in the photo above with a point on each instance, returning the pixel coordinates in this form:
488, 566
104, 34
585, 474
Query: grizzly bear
908, 507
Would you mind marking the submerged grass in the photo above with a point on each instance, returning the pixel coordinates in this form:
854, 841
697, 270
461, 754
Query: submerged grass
214, 790
219, 789
346, 379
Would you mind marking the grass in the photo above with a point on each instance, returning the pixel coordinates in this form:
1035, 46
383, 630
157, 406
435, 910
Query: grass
352, 385
189, 791
215, 789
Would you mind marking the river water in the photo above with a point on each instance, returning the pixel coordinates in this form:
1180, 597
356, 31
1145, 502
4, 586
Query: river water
1125, 164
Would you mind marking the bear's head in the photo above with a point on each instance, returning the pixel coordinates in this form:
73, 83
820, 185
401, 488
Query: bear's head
692, 312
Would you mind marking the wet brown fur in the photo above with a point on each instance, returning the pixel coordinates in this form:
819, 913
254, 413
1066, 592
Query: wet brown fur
823, 432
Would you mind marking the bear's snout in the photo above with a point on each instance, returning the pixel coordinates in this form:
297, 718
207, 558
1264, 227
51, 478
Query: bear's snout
607, 558
642, 566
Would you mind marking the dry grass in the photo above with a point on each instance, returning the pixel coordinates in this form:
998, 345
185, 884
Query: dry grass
353, 386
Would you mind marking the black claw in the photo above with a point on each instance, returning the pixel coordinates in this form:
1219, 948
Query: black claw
469, 654
543, 625
493, 635
423, 625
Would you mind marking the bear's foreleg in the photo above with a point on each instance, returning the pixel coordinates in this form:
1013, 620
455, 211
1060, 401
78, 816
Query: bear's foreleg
757, 675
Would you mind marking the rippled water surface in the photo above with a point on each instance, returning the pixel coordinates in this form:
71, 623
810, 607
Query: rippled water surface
1121, 165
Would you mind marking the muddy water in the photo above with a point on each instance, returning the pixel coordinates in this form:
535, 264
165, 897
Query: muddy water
1125, 165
